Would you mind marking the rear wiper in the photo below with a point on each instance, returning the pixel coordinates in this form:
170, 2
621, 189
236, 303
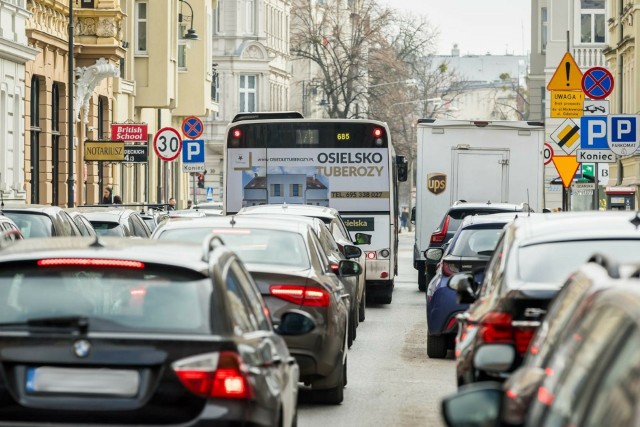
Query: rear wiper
81, 323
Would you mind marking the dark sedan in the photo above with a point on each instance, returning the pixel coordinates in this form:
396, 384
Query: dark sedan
114, 331
287, 262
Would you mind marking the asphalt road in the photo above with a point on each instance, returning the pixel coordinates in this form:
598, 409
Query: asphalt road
391, 381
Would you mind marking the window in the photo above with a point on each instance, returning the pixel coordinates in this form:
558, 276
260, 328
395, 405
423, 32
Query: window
256, 304
296, 190
141, 27
275, 190
592, 23
182, 53
35, 139
250, 17
218, 17
244, 320
543, 29
247, 93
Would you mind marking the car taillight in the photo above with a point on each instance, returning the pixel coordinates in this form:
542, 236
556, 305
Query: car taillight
89, 262
449, 268
439, 235
335, 267
496, 327
301, 295
216, 375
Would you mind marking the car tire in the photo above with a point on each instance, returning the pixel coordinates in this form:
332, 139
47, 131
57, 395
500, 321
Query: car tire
335, 395
437, 346
363, 305
352, 329
422, 279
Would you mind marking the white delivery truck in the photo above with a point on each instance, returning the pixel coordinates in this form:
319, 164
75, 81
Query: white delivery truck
474, 161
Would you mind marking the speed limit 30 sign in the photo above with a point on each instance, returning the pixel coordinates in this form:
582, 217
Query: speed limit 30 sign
167, 144
547, 153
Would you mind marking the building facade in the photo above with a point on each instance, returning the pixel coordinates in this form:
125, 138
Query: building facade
251, 66
14, 53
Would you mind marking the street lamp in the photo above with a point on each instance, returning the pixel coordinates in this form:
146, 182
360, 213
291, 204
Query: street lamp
70, 123
191, 33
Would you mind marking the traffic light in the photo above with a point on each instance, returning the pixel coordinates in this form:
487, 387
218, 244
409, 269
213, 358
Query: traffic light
200, 180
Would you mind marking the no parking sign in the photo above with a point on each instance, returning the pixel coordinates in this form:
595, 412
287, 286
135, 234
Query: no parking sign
597, 83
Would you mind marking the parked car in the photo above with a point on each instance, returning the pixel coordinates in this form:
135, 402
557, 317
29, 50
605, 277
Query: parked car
139, 332
83, 224
450, 224
531, 262
287, 262
592, 372
209, 208
331, 217
115, 221
470, 248
9, 231
41, 221
153, 216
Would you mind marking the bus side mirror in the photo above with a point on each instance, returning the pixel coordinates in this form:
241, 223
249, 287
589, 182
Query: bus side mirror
403, 170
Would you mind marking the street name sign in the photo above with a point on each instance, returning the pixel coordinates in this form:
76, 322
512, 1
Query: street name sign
567, 76
167, 144
567, 104
193, 167
108, 151
567, 136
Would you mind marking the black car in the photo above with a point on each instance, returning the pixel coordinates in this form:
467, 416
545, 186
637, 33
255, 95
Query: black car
42, 221
114, 331
450, 224
592, 371
531, 262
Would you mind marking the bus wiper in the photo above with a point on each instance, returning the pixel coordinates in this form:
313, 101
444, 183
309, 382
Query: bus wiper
80, 323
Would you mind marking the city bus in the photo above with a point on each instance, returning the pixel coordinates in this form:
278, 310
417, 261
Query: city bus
346, 164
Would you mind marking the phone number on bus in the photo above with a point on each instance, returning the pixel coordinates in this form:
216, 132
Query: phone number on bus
359, 194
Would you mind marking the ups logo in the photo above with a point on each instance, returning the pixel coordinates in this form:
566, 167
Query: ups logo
436, 182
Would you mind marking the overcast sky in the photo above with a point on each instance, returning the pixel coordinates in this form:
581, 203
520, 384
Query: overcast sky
477, 26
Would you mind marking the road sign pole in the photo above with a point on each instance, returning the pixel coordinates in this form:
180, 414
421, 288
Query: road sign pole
193, 184
596, 192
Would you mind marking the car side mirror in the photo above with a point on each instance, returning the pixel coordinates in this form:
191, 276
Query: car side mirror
494, 357
363, 239
465, 287
434, 254
348, 268
474, 405
351, 251
413, 215
295, 322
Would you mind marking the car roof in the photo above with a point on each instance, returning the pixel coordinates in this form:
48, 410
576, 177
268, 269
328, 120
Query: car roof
106, 214
497, 218
289, 209
462, 205
144, 250
563, 226
45, 209
247, 221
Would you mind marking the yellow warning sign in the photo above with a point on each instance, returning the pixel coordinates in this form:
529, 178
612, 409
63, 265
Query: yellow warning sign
567, 104
567, 166
567, 76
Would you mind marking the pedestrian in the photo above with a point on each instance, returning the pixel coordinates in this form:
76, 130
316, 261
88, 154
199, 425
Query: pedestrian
189, 204
172, 204
107, 196
117, 200
404, 219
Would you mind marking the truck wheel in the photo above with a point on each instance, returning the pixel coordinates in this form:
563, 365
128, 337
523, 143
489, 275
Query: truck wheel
422, 279
436, 346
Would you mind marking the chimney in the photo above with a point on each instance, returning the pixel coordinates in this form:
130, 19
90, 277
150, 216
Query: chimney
455, 51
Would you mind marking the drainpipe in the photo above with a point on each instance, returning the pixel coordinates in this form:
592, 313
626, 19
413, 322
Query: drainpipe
619, 83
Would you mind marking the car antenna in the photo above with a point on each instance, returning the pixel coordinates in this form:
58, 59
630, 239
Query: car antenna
1, 201
233, 221
528, 205
97, 243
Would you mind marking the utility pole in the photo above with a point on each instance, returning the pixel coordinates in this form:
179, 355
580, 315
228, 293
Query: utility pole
71, 118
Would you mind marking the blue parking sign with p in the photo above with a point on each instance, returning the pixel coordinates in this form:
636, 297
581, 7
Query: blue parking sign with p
623, 128
593, 133
192, 151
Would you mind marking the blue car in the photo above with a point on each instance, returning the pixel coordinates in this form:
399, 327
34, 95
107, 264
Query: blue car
469, 249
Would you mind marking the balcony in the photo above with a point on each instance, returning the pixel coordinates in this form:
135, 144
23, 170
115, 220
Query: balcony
587, 57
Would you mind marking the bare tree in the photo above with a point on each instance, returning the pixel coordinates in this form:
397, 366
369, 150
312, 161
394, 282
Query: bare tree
511, 98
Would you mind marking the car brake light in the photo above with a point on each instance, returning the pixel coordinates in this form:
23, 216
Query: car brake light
216, 375
496, 327
371, 255
301, 295
450, 324
449, 268
89, 262
335, 267
439, 235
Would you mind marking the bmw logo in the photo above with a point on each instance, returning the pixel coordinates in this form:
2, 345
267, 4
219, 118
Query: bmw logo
82, 348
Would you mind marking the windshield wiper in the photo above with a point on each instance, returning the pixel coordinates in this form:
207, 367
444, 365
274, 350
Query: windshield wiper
80, 323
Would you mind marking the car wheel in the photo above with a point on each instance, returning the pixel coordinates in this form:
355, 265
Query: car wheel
436, 346
422, 280
352, 329
363, 304
335, 395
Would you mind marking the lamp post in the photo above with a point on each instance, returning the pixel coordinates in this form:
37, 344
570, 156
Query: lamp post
70, 123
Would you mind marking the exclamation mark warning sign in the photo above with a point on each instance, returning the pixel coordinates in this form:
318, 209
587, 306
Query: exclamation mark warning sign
567, 76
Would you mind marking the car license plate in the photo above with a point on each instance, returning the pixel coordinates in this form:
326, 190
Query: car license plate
113, 382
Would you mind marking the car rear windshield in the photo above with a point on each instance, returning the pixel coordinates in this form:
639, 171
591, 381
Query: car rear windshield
114, 299
553, 262
256, 246
32, 224
104, 228
472, 242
